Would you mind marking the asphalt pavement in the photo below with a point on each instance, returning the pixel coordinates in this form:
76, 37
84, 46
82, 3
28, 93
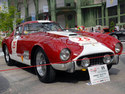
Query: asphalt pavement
1, 53
4, 84
0, 49
24, 81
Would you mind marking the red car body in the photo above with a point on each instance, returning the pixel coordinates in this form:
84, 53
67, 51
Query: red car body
22, 47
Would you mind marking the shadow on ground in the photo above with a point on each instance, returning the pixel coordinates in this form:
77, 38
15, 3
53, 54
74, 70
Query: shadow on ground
114, 71
68, 77
61, 76
72, 77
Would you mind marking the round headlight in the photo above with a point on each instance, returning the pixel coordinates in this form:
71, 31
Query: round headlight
117, 48
85, 62
107, 59
65, 54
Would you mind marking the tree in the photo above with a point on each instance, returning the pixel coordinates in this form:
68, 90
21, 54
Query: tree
9, 17
112, 26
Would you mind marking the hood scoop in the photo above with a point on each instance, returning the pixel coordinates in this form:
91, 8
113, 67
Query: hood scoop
73, 34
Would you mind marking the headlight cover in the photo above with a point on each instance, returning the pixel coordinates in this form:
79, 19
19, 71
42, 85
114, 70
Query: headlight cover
85, 62
65, 54
107, 59
117, 48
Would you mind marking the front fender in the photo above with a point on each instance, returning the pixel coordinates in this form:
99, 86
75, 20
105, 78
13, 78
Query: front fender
52, 49
7, 41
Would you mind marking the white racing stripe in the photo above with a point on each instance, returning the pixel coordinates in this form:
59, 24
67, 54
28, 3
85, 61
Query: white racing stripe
74, 37
94, 49
63, 33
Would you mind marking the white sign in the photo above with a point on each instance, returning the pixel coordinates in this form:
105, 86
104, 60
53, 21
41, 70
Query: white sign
45, 9
111, 3
98, 74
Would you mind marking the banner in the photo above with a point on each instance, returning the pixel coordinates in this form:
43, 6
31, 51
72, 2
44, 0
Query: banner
45, 9
111, 3
33, 17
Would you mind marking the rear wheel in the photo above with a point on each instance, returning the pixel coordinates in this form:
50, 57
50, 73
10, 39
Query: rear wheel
8, 60
44, 71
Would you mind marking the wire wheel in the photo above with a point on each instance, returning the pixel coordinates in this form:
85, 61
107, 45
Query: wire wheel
43, 68
40, 64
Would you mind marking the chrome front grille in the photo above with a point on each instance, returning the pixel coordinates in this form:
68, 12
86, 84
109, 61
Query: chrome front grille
95, 59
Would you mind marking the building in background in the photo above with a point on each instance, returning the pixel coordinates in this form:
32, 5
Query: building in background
69, 13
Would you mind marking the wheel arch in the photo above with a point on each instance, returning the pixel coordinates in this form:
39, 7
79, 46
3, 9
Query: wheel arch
3, 47
33, 52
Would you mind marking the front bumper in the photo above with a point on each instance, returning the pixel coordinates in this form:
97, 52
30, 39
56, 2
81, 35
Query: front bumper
73, 66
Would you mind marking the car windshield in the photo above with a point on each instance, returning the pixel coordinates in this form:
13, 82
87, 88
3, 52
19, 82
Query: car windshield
41, 27
50, 27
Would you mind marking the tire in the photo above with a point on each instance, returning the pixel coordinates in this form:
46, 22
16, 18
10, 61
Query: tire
109, 66
115, 36
8, 60
44, 71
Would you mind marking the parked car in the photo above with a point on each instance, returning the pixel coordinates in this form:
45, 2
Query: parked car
120, 35
48, 47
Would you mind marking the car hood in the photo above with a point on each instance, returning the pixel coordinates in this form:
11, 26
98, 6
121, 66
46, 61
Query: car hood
80, 44
74, 37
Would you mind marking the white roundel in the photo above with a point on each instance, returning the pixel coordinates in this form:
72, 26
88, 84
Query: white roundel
82, 40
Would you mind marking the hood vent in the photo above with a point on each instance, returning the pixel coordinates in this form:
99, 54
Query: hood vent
72, 34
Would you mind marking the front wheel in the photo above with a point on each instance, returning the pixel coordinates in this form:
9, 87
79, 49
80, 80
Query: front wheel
44, 71
8, 60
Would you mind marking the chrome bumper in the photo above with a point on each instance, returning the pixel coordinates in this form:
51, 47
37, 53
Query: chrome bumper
115, 60
69, 67
72, 66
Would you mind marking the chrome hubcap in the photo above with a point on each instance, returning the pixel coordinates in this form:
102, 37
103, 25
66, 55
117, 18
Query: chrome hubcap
40, 64
7, 54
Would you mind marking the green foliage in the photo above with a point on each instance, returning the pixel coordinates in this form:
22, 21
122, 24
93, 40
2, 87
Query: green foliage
9, 17
112, 26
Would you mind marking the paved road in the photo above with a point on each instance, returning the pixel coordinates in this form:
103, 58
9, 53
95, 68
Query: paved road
24, 81
0, 49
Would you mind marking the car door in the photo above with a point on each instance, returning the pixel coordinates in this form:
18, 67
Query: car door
24, 45
14, 44
27, 41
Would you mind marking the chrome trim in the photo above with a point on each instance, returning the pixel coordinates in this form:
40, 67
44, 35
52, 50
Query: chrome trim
18, 59
115, 60
69, 67
72, 66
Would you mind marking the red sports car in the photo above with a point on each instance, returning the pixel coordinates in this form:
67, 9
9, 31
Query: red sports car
46, 45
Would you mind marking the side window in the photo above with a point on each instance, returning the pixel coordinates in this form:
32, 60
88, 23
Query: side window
31, 28
18, 30
26, 29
